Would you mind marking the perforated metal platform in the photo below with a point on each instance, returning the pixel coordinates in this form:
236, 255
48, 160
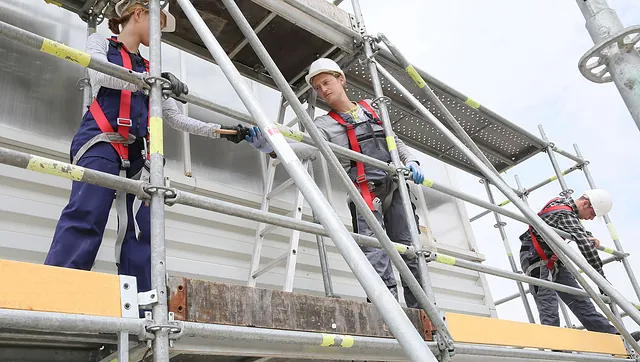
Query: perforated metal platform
296, 32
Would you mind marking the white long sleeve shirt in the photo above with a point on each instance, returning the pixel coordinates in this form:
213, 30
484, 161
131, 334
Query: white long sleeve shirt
97, 47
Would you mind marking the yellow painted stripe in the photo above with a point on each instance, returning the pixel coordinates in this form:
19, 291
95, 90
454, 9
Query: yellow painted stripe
402, 249
289, 132
504, 202
428, 183
43, 288
62, 51
557, 149
347, 341
445, 259
417, 79
329, 340
157, 138
391, 143
51, 167
612, 231
553, 178
53, 3
608, 250
472, 103
492, 331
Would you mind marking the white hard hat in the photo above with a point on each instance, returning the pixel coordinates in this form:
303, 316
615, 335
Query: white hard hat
322, 65
170, 24
600, 201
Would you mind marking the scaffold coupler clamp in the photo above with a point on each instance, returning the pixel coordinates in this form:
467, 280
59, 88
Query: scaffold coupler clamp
174, 328
165, 85
500, 224
82, 83
376, 101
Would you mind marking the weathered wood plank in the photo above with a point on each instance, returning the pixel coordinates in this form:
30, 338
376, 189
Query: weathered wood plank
221, 303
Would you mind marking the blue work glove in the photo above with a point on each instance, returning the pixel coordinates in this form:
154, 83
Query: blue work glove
416, 172
258, 141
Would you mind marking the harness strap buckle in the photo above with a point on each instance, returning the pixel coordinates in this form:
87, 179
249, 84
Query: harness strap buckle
124, 122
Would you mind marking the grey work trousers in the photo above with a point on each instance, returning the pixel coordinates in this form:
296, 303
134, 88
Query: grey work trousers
395, 223
547, 299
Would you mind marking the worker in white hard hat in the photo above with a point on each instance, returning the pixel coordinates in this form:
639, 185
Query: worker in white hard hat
356, 125
537, 259
113, 138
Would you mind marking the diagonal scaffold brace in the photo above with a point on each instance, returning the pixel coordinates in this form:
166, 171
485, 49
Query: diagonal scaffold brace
323, 146
399, 324
565, 253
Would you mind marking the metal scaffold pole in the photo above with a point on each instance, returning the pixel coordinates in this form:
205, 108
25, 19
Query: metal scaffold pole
566, 191
565, 253
612, 230
616, 58
375, 288
85, 84
380, 100
156, 149
507, 247
322, 248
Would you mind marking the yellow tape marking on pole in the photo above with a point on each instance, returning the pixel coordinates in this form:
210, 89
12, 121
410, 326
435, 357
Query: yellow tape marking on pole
402, 249
553, 178
472, 103
608, 250
413, 73
391, 143
557, 149
445, 259
51, 167
329, 340
289, 132
347, 341
428, 183
157, 138
504, 202
62, 51
612, 231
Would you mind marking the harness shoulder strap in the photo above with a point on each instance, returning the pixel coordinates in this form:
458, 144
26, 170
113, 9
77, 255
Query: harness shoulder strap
361, 179
545, 210
369, 109
124, 114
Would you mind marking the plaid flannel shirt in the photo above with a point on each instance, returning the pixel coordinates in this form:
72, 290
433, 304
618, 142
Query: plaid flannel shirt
569, 222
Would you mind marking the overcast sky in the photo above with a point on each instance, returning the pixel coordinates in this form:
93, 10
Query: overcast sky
520, 59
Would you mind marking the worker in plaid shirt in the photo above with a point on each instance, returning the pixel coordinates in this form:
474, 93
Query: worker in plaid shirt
537, 259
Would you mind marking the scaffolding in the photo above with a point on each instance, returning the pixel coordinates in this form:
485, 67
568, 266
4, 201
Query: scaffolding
464, 134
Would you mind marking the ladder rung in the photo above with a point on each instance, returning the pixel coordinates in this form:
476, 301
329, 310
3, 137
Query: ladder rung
283, 186
270, 228
270, 266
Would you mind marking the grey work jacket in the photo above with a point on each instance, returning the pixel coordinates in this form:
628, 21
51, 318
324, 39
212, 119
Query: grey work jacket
366, 128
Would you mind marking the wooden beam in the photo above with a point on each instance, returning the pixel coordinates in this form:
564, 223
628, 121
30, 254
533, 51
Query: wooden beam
44, 288
482, 330
220, 303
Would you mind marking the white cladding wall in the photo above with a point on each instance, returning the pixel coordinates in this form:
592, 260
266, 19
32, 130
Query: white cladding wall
40, 109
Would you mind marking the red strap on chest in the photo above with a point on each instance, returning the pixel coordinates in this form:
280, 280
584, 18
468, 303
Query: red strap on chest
545, 210
124, 114
361, 179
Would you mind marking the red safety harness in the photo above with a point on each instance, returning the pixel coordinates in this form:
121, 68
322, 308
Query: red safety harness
545, 210
361, 179
124, 115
